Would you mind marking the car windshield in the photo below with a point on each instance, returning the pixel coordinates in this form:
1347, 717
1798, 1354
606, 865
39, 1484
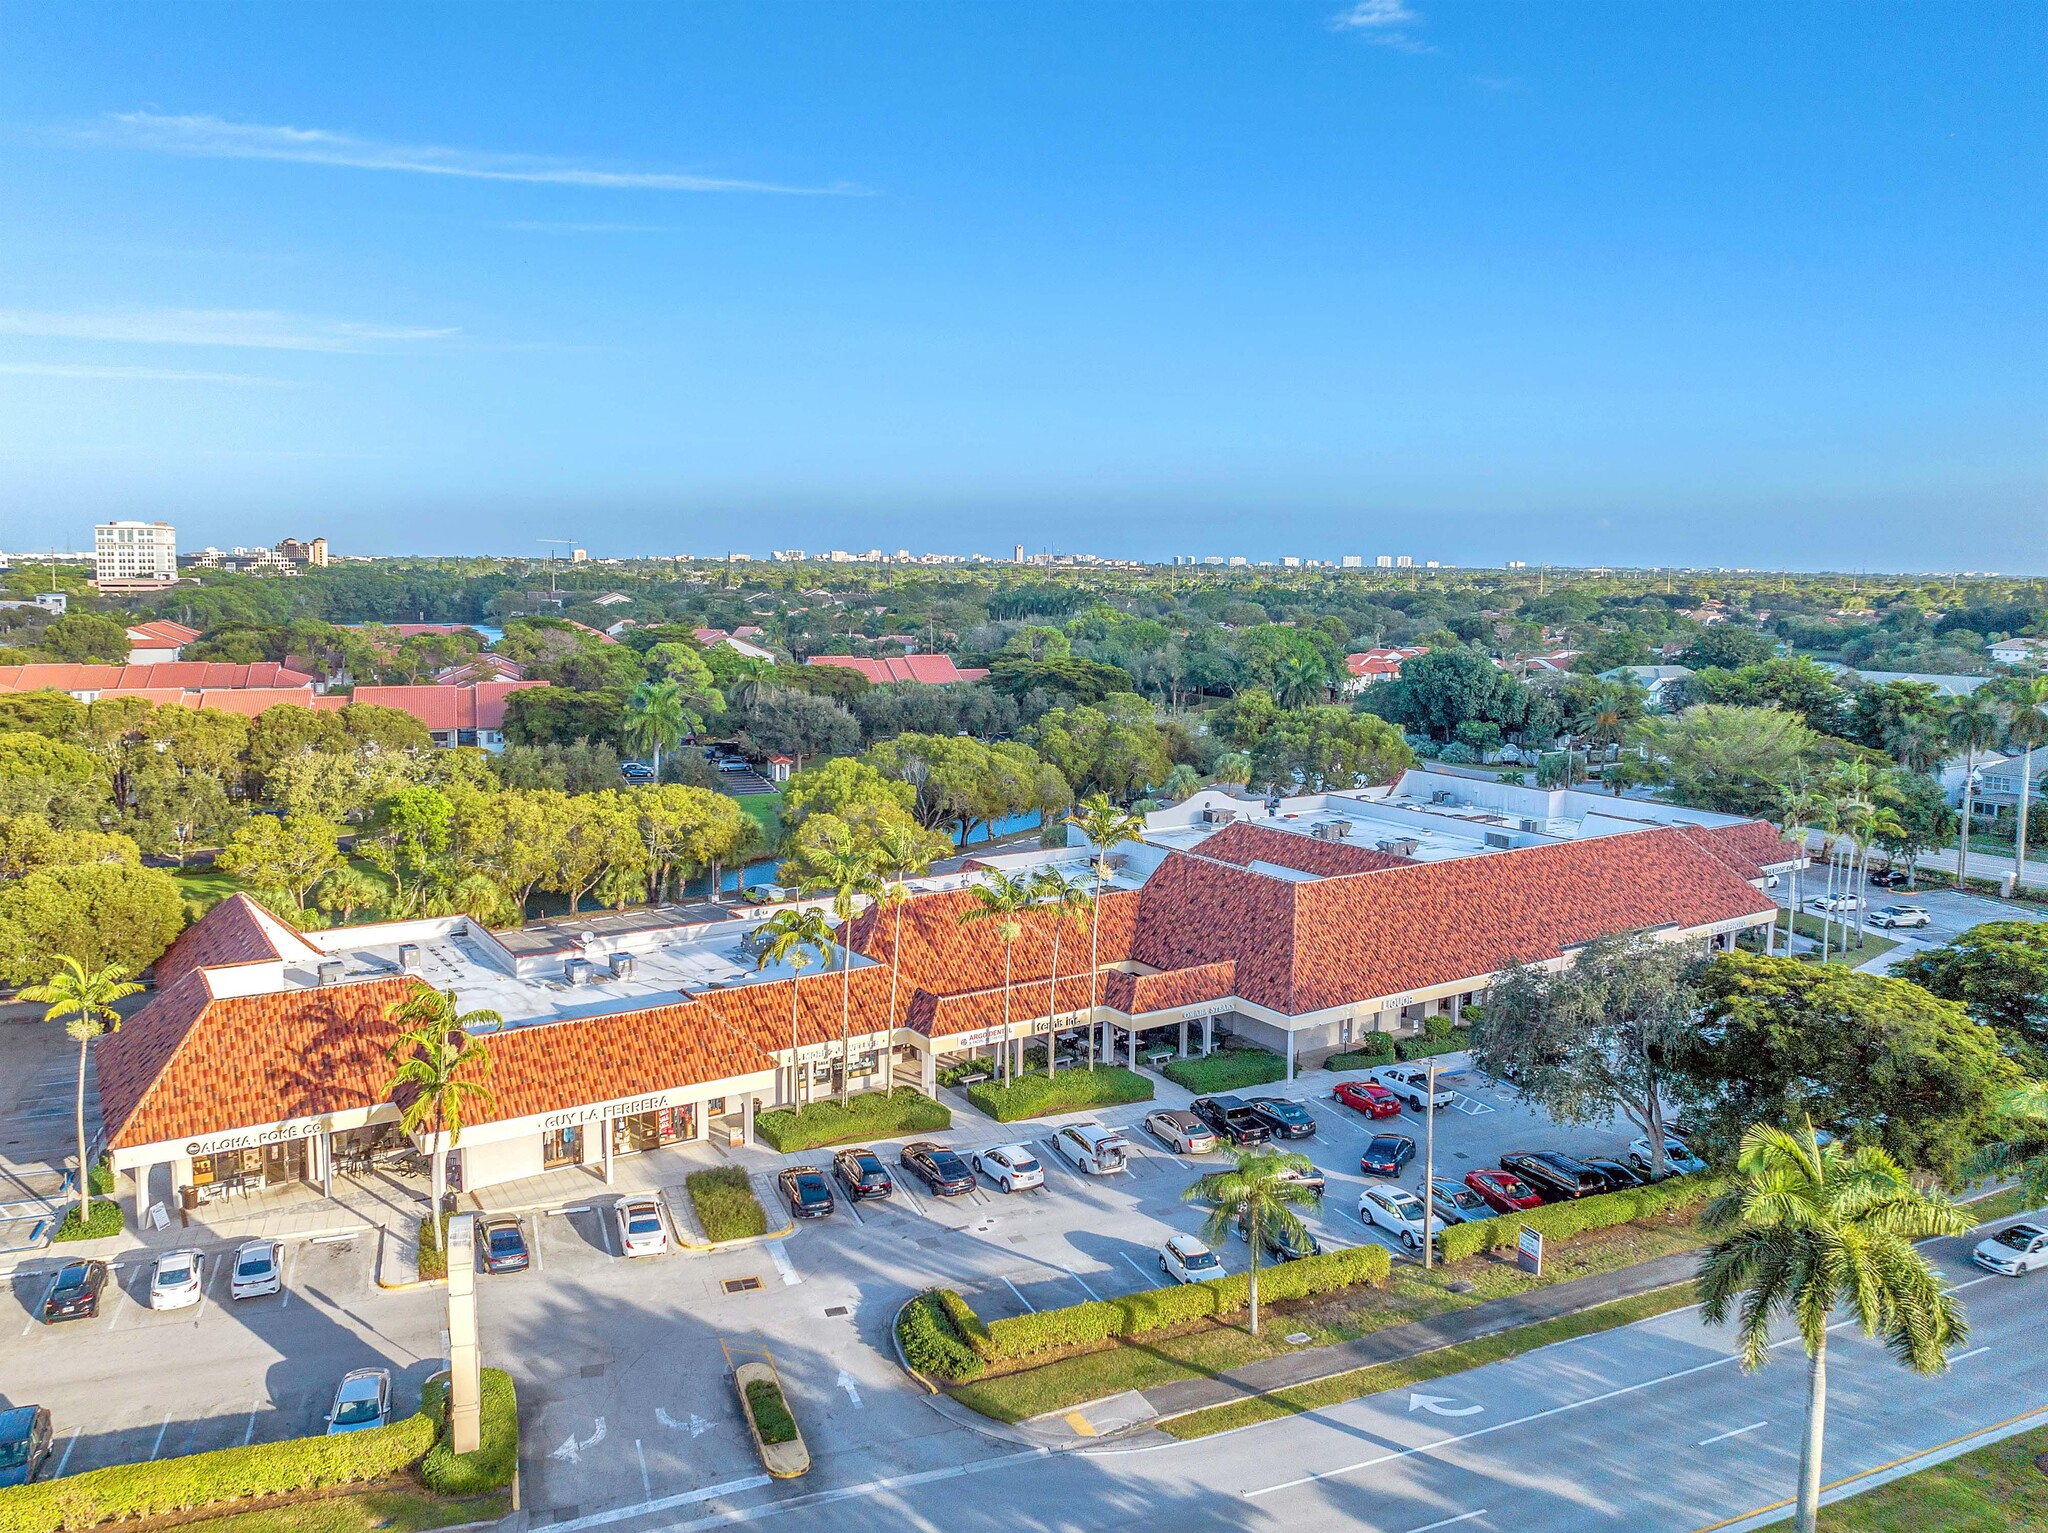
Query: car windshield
1198, 1261
2019, 1237
1511, 1186
642, 1224
354, 1413
948, 1163
175, 1269
1384, 1146
14, 1454
253, 1264
1285, 1110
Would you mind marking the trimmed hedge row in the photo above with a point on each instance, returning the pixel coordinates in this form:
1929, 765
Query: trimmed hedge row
1423, 1047
866, 1115
1559, 1221
1373, 1049
931, 1344
496, 1459
1230, 1070
1031, 1096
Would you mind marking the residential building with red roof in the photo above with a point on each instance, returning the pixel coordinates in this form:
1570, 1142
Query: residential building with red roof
158, 642
88, 683
1370, 667
926, 670
461, 714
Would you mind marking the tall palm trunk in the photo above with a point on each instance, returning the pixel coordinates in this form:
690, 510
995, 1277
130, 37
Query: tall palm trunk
1052, 1003
795, 1065
437, 1181
84, 1171
1963, 836
846, 1012
2019, 841
1253, 1229
1094, 962
1006, 1014
1808, 1520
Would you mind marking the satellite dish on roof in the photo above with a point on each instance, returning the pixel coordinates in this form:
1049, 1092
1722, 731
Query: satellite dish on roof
586, 937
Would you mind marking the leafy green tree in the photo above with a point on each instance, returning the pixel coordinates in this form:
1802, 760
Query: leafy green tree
1904, 719
795, 938
2021, 1150
174, 815
1263, 1189
513, 838
86, 638
1589, 1040
407, 838
290, 854
441, 1068
839, 785
1116, 748
1085, 681
1971, 725
1809, 1229
1440, 690
1729, 759
101, 913
1999, 970
346, 890
600, 836
84, 1002
777, 721
561, 716
1728, 647
29, 842
1872, 1059
1318, 749
674, 822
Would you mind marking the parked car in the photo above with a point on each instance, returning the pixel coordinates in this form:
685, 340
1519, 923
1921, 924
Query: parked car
1181, 1132
636, 771
1091, 1148
943, 1173
1010, 1166
2014, 1251
862, 1174
1279, 1244
1308, 1177
1232, 1119
1893, 917
1891, 878
1288, 1120
75, 1292
1411, 1084
806, 1191
1458, 1202
504, 1245
1619, 1177
363, 1401
259, 1270
178, 1280
1503, 1191
26, 1439
1836, 904
1370, 1098
1399, 1211
1186, 1260
641, 1229
1386, 1155
1557, 1177
1678, 1160
765, 894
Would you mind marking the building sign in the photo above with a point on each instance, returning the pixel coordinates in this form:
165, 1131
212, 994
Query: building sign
255, 1138
623, 1107
1529, 1250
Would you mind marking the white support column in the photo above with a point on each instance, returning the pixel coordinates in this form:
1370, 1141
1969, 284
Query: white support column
142, 1175
1457, 1007
1290, 1053
930, 1076
1208, 1024
1183, 1037
1134, 1046
748, 1110
325, 1145
604, 1128
465, 1389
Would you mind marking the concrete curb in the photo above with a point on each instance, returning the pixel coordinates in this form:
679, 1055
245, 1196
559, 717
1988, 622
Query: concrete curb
759, 1182
383, 1245
963, 1416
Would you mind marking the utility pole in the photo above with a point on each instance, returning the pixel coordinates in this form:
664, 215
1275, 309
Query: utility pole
1429, 1171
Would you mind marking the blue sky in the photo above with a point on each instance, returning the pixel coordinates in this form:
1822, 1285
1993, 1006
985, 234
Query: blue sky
1737, 284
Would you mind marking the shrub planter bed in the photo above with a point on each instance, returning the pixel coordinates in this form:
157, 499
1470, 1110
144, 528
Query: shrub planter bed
1031, 1096
725, 1204
1374, 1049
104, 1220
868, 1115
780, 1444
1229, 1071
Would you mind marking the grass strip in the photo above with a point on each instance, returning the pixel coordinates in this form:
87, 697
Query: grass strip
1231, 1070
1338, 1388
865, 1115
770, 1412
379, 1511
1031, 1096
725, 1204
1994, 1489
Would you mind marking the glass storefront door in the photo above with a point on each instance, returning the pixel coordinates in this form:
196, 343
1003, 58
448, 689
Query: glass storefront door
651, 1130
562, 1147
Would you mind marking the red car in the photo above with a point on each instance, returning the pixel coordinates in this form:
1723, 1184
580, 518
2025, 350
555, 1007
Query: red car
1503, 1190
1370, 1098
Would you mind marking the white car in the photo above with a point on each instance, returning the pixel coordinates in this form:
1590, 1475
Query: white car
1901, 915
178, 1279
1181, 1132
1678, 1160
1010, 1166
363, 1401
1186, 1260
1397, 1210
259, 1269
641, 1231
1091, 1148
1835, 904
1411, 1084
2014, 1251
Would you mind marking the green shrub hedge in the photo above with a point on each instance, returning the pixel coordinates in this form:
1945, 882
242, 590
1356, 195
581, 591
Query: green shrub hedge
1231, 1070
1030, 1096
868, 1115
770, 1412
496, 1459
1373, 1049
1423, 1047
433, 1249
1558, 1221
931, 1344
104, 1220
726, 1205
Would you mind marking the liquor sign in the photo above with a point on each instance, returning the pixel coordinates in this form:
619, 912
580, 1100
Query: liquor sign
1529, 1251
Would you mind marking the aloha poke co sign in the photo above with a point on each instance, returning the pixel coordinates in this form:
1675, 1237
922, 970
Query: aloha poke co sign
256, 1138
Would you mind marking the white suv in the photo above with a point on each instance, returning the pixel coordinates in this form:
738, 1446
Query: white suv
1411, 1084
1398, 1210
1091, 1148
1010, 1166
1186, 1260
259, 1269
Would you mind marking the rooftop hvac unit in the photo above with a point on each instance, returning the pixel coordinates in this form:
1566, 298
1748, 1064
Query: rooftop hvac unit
409, 957
1443, 796
577, 971
330, 971
1218, 816
1532, 826
1500, 840
622, 966
1400, 846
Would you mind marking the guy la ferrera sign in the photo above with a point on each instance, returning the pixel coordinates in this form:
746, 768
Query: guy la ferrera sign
624, 1107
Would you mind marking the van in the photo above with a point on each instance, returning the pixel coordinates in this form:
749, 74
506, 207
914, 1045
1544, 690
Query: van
1091, 1148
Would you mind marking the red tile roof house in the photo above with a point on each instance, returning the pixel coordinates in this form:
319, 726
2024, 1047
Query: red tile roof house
260, 1059
454, 715
88, 683
158, 642
929, 670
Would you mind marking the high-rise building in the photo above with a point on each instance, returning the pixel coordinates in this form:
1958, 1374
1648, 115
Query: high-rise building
579, 556
313, 553
128, 552
1384, 561
1290, 563
1020, 554
1403, 562
1354, 561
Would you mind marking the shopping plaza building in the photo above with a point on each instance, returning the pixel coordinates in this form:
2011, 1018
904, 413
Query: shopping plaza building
1295, 924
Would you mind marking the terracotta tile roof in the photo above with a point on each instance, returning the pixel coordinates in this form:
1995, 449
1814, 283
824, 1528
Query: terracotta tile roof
1241, 842
482, 668
931, 670
1752, 848
193, 675
248, 701
161, 633
480, 705
237, 930
1136, 994
1194, 911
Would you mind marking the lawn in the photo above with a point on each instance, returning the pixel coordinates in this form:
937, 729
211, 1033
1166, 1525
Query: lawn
204, 888
1873, 944
1229, 1070
1409, 1295
1998, 1489
726, 1205
766, 810
1029, 1096
402, 1510
867, 1115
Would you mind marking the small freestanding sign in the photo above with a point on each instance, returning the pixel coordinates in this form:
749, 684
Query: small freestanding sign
1529, 1251
465, 1385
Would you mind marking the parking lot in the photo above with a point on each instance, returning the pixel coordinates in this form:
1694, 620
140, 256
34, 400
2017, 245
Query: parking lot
1950, 913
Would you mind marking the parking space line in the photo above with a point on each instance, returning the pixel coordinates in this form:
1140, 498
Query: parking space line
604, 1229
1020, 1296
76, 1433
1070, 1272
249, 1432
284, 1279
158, 1446
790, 1276
1143, 1276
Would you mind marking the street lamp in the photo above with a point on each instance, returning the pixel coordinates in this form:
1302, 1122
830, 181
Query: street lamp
1429, 1168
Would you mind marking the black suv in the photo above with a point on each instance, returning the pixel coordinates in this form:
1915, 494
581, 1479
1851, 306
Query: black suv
862, 1174
1555, 1177
76, 1293
1288, 1120
945, 1173
1280, 1245
806, 1191
1232, 1118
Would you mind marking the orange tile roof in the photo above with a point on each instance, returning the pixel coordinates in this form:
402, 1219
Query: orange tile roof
1242, 842
479, 705
930, 670
1752, 848
236, 930
191, 675
161, 631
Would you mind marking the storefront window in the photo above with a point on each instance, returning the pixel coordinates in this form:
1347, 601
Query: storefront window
562, 1147
651, 1130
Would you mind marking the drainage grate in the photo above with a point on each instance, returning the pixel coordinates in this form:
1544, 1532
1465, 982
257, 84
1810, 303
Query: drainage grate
593, 1370
837, 1309
741, 1285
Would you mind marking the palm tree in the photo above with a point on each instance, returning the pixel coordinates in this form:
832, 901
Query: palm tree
791, 935
1808, 1227
2022, 1115
2026, 725
432, 1051
848, 870
1262, 1190
1107, 827
1301, 681
1971, 725
1002, 899
87, 1000
657, 719
1070, 901
1795, 821
902, 851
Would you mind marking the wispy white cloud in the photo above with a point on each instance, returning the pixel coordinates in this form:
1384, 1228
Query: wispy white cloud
87, 370
207, 137
253, 329
1384, 22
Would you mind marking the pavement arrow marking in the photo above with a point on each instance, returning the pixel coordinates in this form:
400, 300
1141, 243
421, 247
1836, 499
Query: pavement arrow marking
696, 1426
846, 1383
567, 1450
572, 1450
1440, 1405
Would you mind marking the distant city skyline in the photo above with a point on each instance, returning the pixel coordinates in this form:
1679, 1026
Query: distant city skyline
1598, 285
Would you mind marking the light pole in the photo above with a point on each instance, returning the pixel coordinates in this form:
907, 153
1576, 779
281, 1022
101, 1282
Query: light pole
1429, 1167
